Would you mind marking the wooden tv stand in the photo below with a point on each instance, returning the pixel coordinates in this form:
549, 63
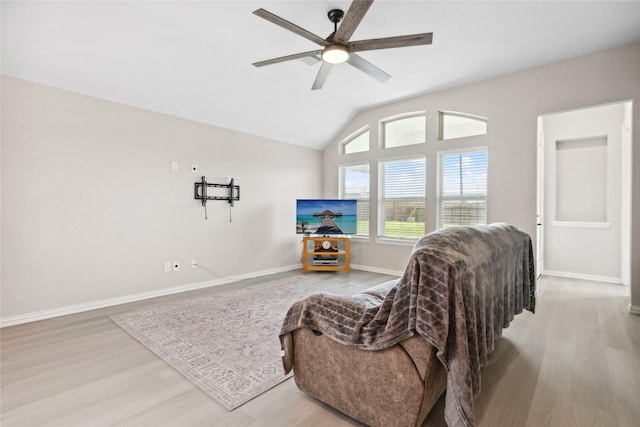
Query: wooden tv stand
325, 254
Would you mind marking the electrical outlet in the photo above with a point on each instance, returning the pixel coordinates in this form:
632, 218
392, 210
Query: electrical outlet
167, 267
194, 263
176, 265
194, 168
174, 166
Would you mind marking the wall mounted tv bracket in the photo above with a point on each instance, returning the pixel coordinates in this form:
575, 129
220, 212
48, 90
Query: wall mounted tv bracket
200, 193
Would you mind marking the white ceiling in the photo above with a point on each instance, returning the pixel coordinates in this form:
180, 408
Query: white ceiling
193, 59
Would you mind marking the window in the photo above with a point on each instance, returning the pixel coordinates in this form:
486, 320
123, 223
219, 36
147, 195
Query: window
457, 125
403, 131
356, 143
354, 184
462, 192
401, 193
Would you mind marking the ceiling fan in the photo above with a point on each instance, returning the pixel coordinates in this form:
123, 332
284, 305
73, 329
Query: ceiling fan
337, 48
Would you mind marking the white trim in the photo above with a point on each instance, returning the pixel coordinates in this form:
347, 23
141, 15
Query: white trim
592, 277
540, 206
377, 270
443, 113
464, 150
352, 136
231, 279
582, 224
79, 308
398, 241
359, 238
382, 123
634, 309
401, 116
439, 179
380, 220
342, 192
627, 194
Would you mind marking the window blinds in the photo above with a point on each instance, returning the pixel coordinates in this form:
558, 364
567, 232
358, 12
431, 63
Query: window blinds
354, 184
462, 195
402, 198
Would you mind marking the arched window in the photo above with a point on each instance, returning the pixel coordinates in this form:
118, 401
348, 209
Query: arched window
458, 125
403, 130
356, 143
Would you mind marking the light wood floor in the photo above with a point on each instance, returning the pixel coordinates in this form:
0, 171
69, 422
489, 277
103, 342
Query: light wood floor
576, 362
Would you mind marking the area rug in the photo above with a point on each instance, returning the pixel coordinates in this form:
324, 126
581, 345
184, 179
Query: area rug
227, 343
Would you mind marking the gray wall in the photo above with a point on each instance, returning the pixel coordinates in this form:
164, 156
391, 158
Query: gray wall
512, 104
91, 208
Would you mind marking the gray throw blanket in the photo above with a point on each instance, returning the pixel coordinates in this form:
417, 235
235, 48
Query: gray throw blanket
461, 287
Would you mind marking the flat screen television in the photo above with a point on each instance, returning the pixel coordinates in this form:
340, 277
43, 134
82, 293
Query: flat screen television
326, 217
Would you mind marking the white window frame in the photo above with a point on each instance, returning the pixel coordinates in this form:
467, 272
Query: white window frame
442, 114
343, 144
439, 196
381, 208
385, 121
342, 193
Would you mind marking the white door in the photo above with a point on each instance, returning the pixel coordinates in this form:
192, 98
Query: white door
580, 193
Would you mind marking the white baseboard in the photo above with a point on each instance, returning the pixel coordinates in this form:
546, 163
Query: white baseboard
591, 277
376, 270
231, 279
634, 309
79, 308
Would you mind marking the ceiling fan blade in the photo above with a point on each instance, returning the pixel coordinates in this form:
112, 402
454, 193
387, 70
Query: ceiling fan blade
351, 20
391, 42
313, 53
323, 73
290, 26
368, 68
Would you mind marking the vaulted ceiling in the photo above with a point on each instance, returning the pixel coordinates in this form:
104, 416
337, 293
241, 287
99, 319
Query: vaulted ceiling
193, 59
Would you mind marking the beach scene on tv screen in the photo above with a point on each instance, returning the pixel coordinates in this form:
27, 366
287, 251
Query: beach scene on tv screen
326, 217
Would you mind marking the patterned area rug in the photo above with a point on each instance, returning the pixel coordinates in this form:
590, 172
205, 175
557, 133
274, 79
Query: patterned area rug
227, 343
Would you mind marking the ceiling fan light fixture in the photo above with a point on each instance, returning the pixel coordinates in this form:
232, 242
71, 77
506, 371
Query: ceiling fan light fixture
335, 54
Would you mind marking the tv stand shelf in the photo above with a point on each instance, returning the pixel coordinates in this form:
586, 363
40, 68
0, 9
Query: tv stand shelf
325, 254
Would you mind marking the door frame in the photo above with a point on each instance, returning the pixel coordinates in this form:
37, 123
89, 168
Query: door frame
626, 170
